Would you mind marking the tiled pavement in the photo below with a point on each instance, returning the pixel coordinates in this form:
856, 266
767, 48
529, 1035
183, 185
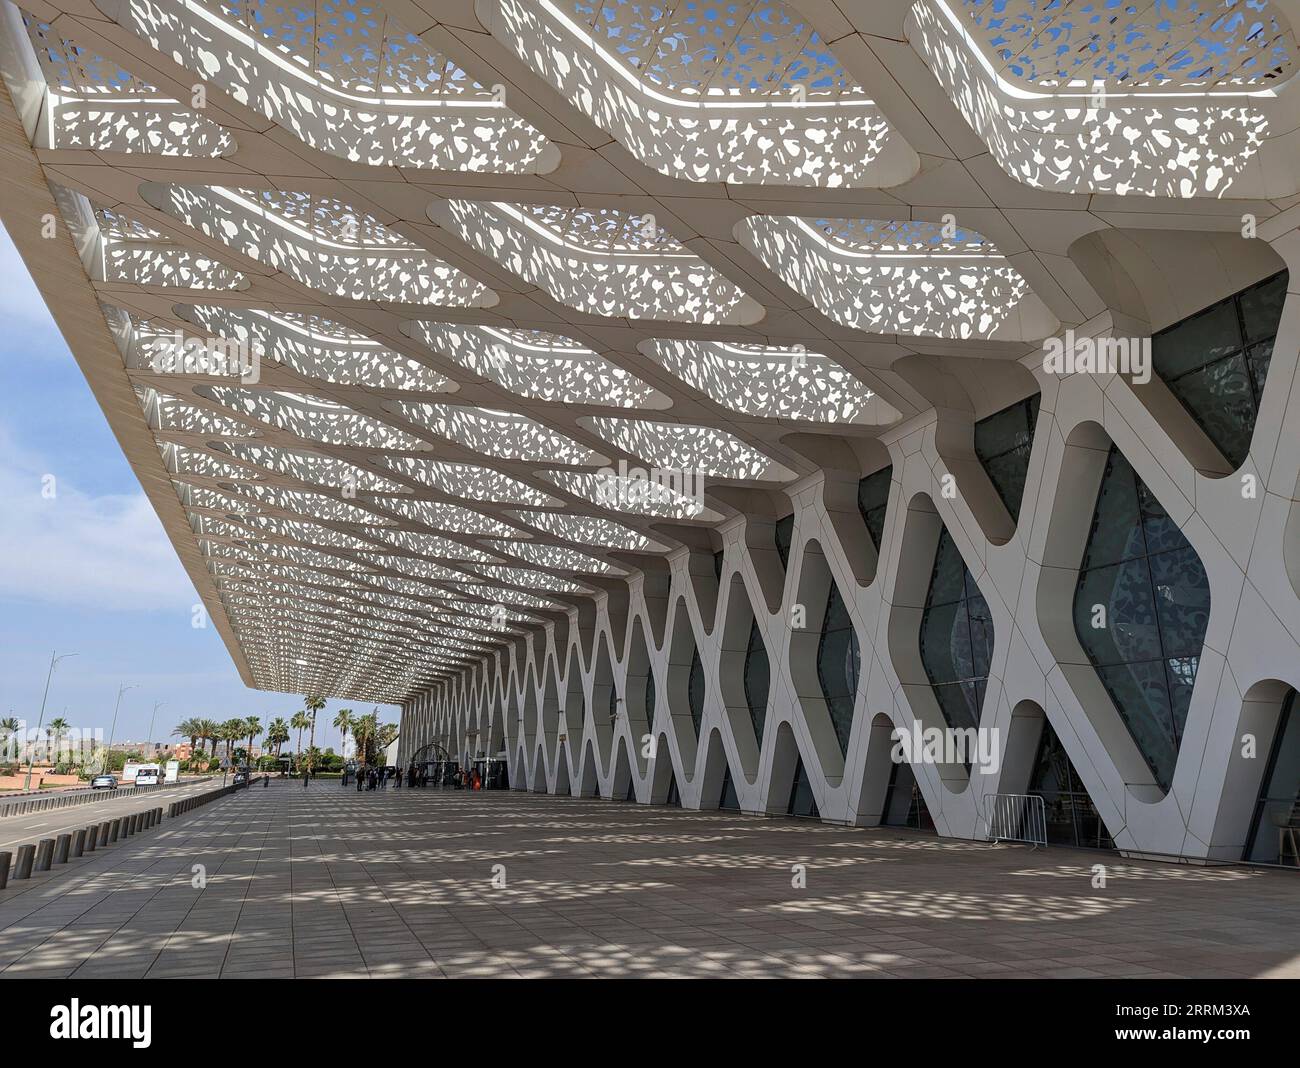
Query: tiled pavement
329, 882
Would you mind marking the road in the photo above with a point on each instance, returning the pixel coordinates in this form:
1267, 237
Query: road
17, 830
8, 799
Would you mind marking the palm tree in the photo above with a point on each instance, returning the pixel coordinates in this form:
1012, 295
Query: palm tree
277, 734
209, 729
300, 723
231, 732
386, 736
8, 728
55, 731
343, 721
364, 730
189, 728
252, 728
312, 706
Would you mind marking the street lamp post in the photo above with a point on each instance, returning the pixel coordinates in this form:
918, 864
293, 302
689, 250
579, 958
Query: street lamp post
113, 729
156, 705
54, 659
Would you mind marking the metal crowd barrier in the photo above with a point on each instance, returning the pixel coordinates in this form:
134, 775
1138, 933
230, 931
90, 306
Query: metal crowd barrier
1016, 818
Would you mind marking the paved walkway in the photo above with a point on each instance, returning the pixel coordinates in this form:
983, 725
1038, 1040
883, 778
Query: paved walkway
329, 882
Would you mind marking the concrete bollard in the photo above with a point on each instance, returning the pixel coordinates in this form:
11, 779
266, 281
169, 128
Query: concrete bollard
62, 846
114, 829
92, 837
6, 859
103, 831
23, 868
79, 842
44, 854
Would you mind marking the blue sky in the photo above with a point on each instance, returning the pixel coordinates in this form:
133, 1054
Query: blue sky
89, 570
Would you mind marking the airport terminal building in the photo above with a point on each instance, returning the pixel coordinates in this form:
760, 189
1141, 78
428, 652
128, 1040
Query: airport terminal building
882, 413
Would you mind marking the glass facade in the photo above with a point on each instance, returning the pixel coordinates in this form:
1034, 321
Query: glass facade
1140, 610
650, 699
873, 497
783, 535
956, 637
695, 691
839, 661
729, 800
757, 681
1072, 818
904, 805
802, 802
1215, 362
1002, 443
1275, 828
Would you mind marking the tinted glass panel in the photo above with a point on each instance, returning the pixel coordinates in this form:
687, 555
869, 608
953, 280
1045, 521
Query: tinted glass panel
956, 637
729, 800
695, 690
1072, 818
1275, 830
1002, 443
1215, 363
757, 680
873, 496
1142, 622
904, 805
838, 664
784, 536
802, 801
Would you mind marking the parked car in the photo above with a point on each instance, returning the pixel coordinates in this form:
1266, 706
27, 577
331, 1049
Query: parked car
241, 776
103, 782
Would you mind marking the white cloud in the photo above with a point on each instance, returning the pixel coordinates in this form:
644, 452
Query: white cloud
76, 549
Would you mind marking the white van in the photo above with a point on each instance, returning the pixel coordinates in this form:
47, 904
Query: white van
148, 775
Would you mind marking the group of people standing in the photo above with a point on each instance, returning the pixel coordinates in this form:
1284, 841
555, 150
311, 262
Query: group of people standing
377, 778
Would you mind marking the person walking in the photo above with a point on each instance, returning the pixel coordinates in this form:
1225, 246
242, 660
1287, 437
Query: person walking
361, 780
